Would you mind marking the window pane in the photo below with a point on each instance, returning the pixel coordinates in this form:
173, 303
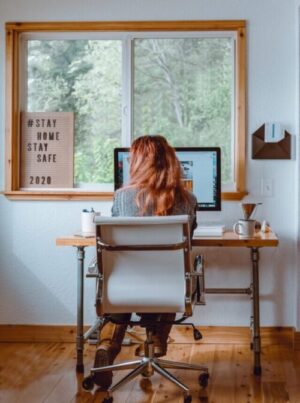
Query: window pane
183, 89
83, 76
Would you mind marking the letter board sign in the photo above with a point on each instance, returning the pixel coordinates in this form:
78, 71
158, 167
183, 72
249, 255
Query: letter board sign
47, 141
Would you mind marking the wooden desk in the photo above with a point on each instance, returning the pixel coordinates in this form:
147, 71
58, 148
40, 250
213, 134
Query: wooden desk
229, 239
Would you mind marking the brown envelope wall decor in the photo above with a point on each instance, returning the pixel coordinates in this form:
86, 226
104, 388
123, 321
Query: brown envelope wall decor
270, 151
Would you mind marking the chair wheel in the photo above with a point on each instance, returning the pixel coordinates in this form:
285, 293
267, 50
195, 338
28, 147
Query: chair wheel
203, 379
107, 400
187, 399
88, 383
197, 335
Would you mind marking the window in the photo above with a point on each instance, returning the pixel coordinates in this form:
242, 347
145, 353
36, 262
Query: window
83, 76
183, 79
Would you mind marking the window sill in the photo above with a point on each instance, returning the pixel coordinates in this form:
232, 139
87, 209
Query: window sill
57, 195
234, 195
47, 195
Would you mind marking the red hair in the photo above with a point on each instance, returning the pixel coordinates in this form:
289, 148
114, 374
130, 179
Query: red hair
156, 172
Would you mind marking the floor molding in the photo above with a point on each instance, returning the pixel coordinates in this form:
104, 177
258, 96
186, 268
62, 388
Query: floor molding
235, 335
180, 334
296, 340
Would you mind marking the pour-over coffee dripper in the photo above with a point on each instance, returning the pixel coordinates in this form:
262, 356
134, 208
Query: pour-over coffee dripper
248, 209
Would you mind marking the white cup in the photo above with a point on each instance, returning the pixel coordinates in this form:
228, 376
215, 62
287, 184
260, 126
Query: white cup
87, 222
244, 228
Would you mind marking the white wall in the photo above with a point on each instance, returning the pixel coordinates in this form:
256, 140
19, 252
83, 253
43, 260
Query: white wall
38, 279
297, 110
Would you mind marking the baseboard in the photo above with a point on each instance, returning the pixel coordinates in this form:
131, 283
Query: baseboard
235, 335
38, 333
179, 334
296, 340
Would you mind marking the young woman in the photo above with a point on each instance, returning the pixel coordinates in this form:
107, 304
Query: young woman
155, 188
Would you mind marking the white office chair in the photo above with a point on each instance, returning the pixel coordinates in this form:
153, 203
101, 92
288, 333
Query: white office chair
144, 266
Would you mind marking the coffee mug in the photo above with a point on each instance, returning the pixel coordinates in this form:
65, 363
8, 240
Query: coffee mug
244, 228
87, 221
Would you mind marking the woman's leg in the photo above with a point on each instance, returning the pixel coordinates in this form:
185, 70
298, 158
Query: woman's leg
109, 346
162, 332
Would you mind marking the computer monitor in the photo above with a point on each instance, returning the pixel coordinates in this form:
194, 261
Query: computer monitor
201, 173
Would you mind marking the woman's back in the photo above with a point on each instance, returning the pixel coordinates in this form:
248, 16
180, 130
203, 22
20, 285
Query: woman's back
125, 205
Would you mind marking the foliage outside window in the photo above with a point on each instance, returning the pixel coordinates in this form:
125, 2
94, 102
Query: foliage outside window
184, 89
83, 76
187, 83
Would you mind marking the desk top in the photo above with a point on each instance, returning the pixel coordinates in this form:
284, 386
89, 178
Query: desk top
229, 238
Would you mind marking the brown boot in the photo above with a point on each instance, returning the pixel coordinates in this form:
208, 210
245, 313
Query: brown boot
110, 343
162, 332
160, 338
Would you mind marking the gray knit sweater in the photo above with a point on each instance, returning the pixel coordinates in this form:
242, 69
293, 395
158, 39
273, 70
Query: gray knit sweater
125, 205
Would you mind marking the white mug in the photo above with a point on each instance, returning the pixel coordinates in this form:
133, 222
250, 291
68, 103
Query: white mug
87, 222
244, 228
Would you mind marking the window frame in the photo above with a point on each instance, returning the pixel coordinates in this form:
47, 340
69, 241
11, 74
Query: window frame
12, 118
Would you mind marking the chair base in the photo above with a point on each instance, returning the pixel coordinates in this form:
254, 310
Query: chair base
147, 366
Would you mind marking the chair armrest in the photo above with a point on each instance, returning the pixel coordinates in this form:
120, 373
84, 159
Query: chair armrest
93, 272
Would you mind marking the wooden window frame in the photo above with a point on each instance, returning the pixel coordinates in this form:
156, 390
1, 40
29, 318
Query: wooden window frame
12, 129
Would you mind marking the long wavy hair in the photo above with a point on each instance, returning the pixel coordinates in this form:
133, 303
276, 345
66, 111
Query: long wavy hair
156, 173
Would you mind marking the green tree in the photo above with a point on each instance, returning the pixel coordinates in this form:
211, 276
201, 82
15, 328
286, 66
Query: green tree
82, 76
182, 89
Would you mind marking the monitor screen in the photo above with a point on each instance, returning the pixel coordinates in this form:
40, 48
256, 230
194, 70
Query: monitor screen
201, 173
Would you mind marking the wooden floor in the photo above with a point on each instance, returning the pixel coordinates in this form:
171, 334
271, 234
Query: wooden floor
44, 372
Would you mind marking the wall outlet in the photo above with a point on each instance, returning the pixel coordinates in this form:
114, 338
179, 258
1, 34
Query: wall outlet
267, 187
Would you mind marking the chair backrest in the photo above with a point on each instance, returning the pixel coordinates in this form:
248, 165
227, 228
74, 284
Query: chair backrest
144, 263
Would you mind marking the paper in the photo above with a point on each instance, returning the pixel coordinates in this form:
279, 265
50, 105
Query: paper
273, 132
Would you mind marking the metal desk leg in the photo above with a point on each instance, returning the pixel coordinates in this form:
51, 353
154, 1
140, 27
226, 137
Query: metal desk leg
255, 301
80, 285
